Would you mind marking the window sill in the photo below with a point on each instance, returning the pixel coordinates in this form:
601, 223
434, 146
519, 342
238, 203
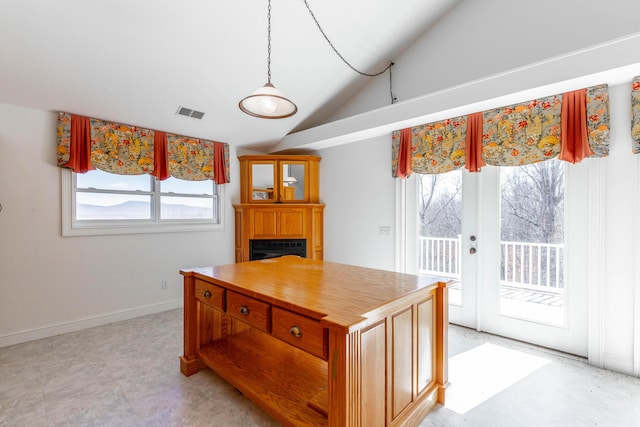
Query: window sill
101, 230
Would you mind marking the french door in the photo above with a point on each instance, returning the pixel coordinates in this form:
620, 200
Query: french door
513, 241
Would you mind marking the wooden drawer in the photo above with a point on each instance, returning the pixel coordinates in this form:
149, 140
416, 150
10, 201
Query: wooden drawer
300, 331
210, 294
249, 310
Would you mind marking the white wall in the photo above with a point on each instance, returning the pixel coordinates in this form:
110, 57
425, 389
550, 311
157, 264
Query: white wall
357, 188
477, 39
51, 284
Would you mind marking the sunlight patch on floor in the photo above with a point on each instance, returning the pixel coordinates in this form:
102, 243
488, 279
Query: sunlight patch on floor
484, 371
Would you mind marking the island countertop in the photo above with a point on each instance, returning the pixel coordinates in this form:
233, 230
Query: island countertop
339, 294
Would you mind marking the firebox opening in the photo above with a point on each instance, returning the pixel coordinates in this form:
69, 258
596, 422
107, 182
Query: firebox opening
272, 248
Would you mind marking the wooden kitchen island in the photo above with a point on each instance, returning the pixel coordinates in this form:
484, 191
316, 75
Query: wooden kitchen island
316, 343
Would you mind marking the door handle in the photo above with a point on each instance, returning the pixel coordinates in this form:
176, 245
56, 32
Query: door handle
472, 251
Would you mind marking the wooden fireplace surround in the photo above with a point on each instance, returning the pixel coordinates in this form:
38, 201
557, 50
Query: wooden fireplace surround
279, 215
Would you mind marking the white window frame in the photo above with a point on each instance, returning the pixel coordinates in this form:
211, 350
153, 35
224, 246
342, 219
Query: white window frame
71, 227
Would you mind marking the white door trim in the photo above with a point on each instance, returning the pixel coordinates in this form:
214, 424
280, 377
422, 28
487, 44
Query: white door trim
401, 226
636, 293
596, 278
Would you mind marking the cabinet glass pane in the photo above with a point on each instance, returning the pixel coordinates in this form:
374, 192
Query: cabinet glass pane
293, 181
262, 181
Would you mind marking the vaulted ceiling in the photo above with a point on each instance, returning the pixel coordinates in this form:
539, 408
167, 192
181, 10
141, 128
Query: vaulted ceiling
137, 62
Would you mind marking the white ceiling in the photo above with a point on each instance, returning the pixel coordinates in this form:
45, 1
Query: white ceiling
137, 61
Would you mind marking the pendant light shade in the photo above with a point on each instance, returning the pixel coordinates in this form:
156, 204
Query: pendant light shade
268, 102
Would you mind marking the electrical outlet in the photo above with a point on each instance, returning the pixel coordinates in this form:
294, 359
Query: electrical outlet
164, 284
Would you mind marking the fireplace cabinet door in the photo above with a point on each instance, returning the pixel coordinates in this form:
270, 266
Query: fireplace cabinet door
277, 223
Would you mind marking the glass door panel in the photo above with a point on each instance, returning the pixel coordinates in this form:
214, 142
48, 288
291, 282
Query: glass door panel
439, 227
446, 237
503, 237
532, 228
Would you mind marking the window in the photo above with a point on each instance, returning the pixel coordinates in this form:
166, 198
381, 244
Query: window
98, 202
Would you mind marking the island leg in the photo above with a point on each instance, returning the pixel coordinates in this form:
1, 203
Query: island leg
189, 363
442, 341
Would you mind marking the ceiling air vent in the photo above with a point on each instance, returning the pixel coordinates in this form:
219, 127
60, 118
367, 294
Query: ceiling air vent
190, 113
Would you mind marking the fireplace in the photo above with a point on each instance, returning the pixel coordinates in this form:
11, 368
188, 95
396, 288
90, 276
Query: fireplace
272, 248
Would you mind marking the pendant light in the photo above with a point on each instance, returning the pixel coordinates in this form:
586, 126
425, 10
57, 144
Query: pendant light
268, 102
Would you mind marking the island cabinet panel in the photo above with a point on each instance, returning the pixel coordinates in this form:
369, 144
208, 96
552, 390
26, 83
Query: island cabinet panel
426, 339
208, 317
316, 343
373, 368
402, 360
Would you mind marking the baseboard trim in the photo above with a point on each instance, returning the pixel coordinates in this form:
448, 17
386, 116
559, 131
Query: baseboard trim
618, 363
85, 323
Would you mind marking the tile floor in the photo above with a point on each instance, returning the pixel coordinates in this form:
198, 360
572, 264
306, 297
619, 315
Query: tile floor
127, 374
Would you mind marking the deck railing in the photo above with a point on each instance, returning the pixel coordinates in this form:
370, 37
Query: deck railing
439, 256
536, 266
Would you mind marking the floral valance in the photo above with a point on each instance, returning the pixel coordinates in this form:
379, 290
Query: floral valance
635, 115
87, 143
570, 126
523, 133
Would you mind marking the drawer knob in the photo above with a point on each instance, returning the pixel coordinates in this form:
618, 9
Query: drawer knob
207, 294
295, 331
244, 310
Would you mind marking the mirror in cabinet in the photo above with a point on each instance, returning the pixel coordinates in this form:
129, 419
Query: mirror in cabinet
293, 182
262, 181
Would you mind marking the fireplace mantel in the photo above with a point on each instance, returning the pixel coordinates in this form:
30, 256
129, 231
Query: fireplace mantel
268, 211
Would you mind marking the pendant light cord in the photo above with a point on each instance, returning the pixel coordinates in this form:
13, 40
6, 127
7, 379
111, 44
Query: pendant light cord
393, 97
388, 67
336, 50
269, 42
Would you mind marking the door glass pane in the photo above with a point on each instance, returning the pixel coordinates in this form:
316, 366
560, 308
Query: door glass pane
439, 223
532, 242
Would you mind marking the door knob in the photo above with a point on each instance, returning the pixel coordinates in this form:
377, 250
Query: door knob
472, 238
472, 251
